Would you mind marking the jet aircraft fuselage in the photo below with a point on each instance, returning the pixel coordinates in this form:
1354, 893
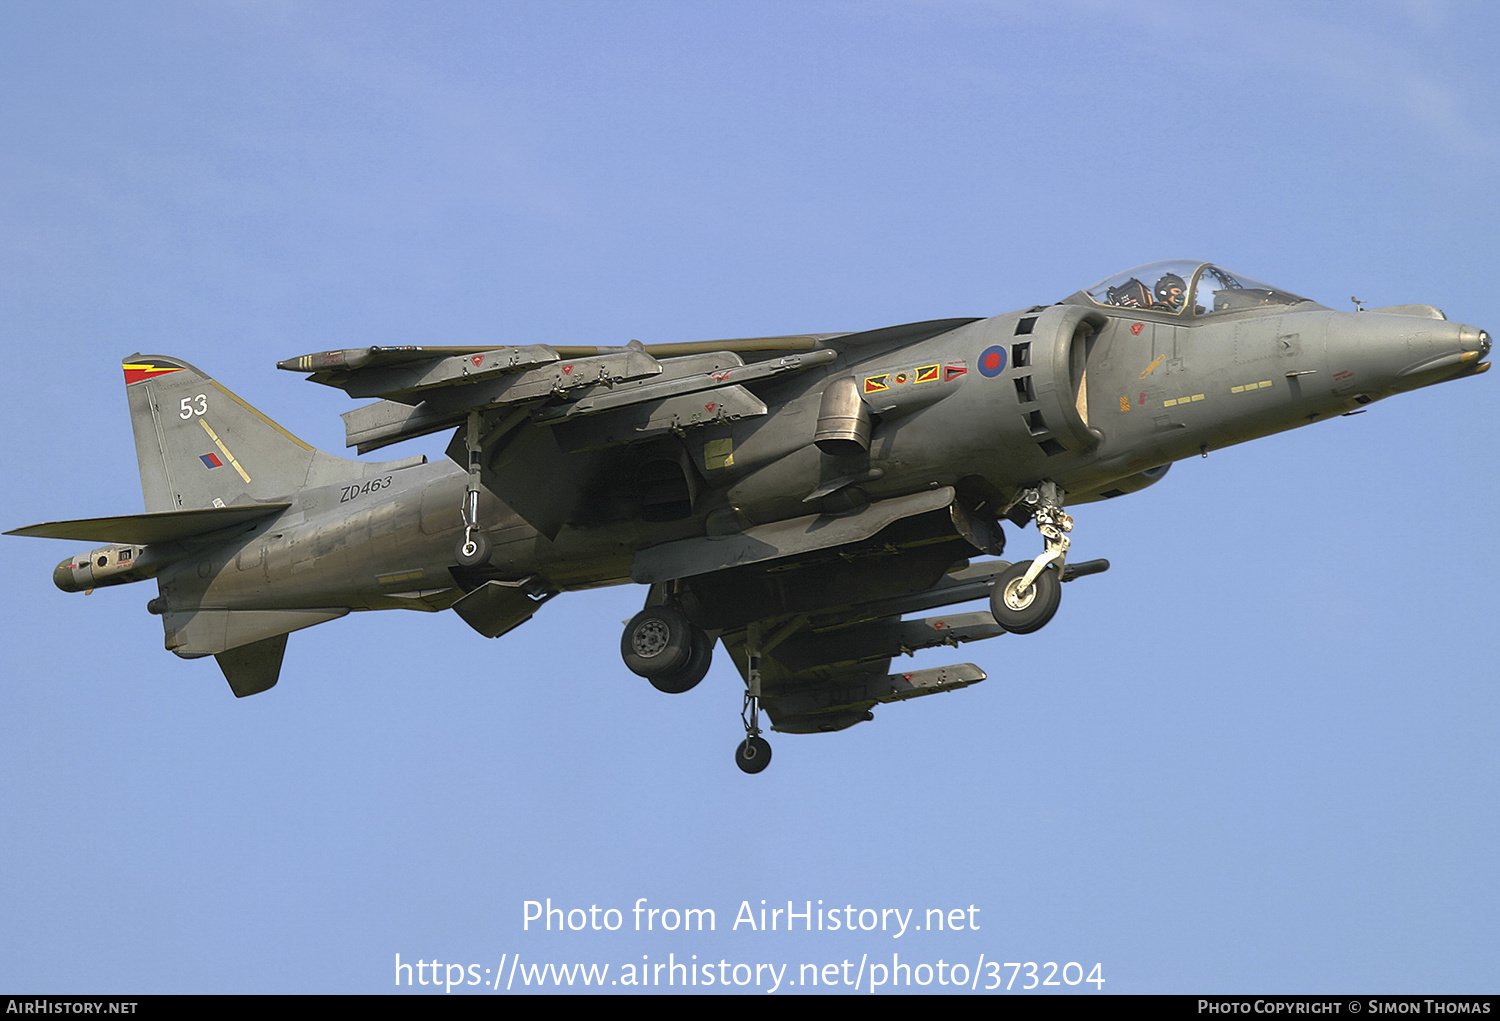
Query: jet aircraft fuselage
791, 497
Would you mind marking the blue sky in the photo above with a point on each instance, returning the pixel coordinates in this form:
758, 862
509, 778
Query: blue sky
1257, 755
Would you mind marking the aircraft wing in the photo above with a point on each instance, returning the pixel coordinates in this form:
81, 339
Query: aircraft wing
628, 392
552, 419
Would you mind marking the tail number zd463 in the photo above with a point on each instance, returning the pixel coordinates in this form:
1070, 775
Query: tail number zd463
360, 489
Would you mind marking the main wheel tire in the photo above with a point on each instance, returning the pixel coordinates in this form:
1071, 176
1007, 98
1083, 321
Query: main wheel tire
658, 642
753, 754
1022, 611
693, 671
473, 551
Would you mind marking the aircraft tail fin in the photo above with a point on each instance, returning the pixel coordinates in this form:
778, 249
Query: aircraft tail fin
199, 445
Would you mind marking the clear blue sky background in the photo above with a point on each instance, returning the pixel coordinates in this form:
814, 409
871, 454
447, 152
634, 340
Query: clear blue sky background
1259, 754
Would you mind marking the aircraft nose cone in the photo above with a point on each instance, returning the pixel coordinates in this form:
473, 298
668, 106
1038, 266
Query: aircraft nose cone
1475, 344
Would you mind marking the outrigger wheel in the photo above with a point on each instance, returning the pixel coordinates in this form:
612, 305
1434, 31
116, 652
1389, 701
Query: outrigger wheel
473, 550
753, 754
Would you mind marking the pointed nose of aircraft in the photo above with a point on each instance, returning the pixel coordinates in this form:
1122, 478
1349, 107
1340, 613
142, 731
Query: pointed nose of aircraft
1387, 352
1436, 354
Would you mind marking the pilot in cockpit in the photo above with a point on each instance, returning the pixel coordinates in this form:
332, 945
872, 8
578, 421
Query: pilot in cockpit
1170, 293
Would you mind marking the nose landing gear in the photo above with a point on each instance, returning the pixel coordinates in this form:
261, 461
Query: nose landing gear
1027, 596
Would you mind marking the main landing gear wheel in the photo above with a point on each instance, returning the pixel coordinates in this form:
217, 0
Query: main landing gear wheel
696, 668
753, 754
1022, 610
473, 551
658, 643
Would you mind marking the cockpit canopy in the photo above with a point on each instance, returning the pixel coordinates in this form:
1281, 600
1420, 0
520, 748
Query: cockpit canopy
1186, 287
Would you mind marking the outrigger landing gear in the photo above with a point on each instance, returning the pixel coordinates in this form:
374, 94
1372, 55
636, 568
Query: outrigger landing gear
474, 548
754, 753
1027, 595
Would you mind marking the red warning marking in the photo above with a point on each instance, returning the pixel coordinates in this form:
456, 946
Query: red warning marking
1135, 328
710, 408
720, 376
1143, 398
1346, 374
477, 360
907, 677
938, 625
135, 372
955, 369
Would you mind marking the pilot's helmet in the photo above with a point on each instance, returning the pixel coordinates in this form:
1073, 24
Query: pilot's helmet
1171, 291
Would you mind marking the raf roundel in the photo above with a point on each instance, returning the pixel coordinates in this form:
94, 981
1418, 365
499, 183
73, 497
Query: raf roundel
992, 361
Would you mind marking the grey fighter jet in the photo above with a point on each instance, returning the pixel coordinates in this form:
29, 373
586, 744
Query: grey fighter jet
794, 499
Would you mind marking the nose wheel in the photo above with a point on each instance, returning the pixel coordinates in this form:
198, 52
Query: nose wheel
1022, 607
1028, 594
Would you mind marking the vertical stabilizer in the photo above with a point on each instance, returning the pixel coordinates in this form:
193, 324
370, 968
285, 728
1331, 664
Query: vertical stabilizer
199, 445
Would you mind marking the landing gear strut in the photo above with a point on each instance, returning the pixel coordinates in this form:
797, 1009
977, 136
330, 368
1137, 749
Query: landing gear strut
754, 753
1027, 595
474, 548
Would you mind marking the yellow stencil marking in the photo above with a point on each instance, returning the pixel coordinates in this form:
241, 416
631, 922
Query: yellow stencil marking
1181, 400
223, 449
718, 454
1152, 367
1250, 386
1124, 403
